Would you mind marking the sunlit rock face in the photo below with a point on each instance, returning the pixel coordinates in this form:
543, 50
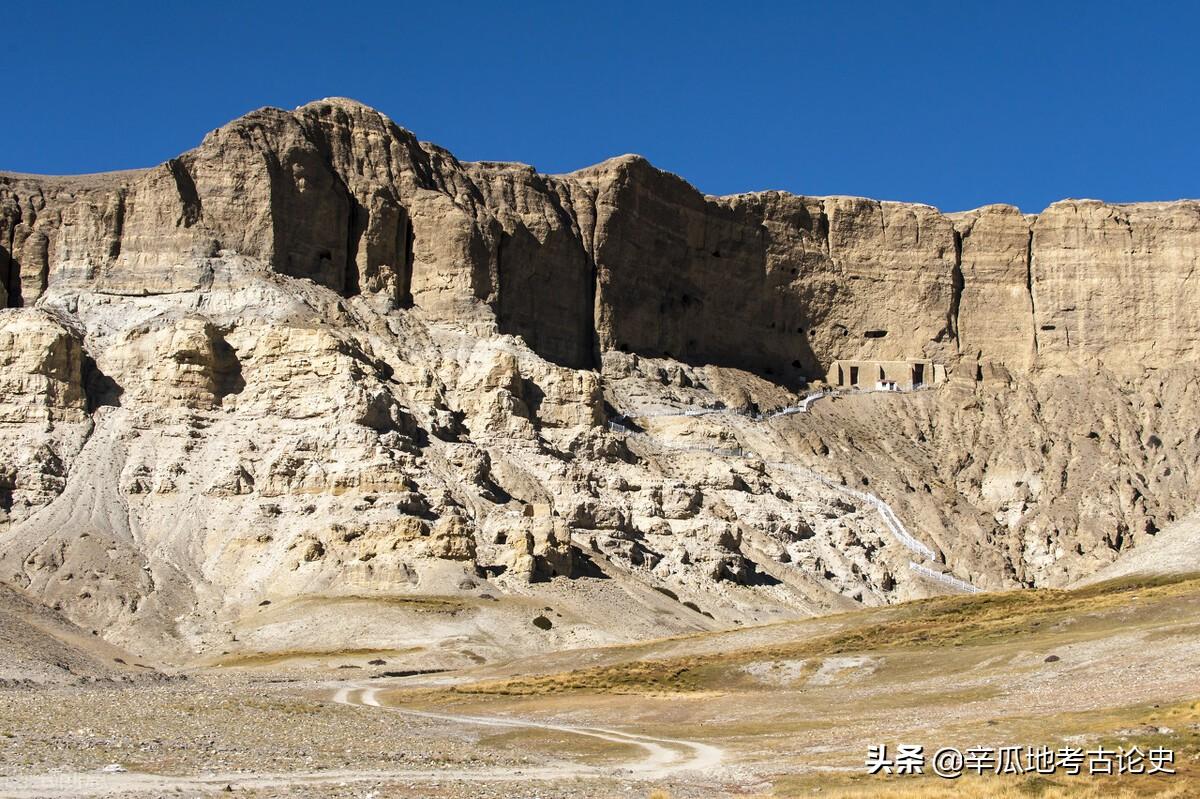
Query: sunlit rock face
316, 360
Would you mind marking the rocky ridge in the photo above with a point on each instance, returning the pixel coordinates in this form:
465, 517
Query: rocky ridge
316, 362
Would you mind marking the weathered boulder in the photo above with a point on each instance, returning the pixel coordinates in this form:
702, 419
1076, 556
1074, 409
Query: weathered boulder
542, 549
41, 368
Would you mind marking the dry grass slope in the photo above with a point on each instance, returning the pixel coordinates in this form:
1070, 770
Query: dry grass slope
944, 621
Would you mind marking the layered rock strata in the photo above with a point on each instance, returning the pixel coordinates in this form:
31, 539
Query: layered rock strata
315, 361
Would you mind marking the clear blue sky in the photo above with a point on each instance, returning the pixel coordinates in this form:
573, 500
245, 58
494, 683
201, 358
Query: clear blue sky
956, 104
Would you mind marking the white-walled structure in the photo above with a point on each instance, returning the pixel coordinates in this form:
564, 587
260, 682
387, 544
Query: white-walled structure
885, 375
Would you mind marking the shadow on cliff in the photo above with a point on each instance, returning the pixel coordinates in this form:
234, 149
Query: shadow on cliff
8, 279
793, 374
227, 370
98, 388
546, 295
707, 284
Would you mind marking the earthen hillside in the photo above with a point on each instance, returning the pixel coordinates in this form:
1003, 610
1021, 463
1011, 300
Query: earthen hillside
318, 383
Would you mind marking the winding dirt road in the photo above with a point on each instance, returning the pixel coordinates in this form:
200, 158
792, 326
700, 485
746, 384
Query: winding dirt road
664, 757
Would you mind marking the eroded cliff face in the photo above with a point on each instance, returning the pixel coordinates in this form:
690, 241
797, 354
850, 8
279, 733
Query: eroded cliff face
315, 361
620, 256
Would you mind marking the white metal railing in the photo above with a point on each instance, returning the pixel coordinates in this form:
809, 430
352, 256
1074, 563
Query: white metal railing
729, 452
804, 406
890, 519
945, 579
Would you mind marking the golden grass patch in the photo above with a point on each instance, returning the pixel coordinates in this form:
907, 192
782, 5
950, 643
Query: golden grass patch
944, 621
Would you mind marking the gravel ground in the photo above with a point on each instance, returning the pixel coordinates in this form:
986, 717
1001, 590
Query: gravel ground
216, 724
58, 741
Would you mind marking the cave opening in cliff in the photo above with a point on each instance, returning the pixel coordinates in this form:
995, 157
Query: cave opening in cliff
875, 333
356, 228
227, 370
404, 289
918, 374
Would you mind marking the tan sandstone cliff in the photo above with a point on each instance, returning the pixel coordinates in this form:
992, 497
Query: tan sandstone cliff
315, 360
